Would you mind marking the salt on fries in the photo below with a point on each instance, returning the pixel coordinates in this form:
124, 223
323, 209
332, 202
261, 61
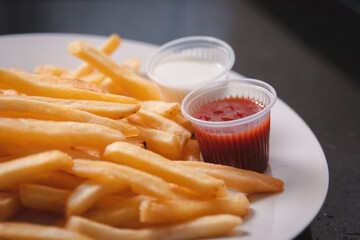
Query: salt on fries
97, 146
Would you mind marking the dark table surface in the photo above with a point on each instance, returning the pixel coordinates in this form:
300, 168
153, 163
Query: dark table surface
309, 51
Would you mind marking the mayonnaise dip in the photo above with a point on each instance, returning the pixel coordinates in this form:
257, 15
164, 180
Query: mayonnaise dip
186, 71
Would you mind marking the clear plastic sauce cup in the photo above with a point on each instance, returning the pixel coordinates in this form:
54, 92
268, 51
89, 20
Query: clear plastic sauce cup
243, 142
181, 65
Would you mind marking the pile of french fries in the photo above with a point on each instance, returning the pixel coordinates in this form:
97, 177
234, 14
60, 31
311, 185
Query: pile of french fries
98, 149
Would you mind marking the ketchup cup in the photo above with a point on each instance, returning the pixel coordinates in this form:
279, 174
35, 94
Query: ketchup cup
243, 142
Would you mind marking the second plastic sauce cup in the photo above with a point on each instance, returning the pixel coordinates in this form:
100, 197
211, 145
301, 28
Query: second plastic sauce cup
241, 143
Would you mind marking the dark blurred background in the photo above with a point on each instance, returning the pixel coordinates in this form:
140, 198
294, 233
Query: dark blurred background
308, 50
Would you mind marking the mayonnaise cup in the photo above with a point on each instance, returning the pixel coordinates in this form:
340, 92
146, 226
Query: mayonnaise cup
184, 64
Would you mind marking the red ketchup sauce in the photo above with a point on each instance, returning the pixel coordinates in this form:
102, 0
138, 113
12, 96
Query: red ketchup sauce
247, 149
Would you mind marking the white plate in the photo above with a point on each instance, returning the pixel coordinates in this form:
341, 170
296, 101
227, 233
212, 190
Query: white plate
296, 156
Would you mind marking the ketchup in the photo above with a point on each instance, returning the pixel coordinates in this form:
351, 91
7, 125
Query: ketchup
247, 149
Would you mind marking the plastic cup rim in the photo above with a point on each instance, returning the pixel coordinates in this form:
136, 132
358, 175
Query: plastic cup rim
237, 122
184, 40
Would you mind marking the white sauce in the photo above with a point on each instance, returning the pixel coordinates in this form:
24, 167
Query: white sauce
186, 71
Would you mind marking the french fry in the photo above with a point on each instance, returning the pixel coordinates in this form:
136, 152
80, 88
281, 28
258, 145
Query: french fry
56, 180
20, 169
191, 151
9, 92
110, 86
140, 182
124, 211
95, 78
89, 192
161, 142
13, 150
145, 160
137, 225
104, 109
26, 83
16, 151
39, 133
109, 201
29, 231
241, 180
6, 158
181, 120
9, 204
152, 120
59, 81
136, 141
164, 109
43, 197
108, 47
26, 107
93, 152
132, 83
176, 210
204, 227
52, 70
133, 64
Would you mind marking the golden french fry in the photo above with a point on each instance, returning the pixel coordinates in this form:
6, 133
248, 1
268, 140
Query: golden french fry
133, 64
176, 210
204, 227
161, 142
56, 180
136, 141
26, 107
191, 151
109, 201
92, 152
95, 78
110, 86
145, 160
125, 210
132, 83
9, 92
43, 197
164, 109
52, 70
152, 120
29, 84
9, 204
181, 120
39, 133
108, 47
105, 109
30, 231
140, 182
185, 193
89, 192
6, 158
60, 81
12, 150
16, 151
241, 180
20, 169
